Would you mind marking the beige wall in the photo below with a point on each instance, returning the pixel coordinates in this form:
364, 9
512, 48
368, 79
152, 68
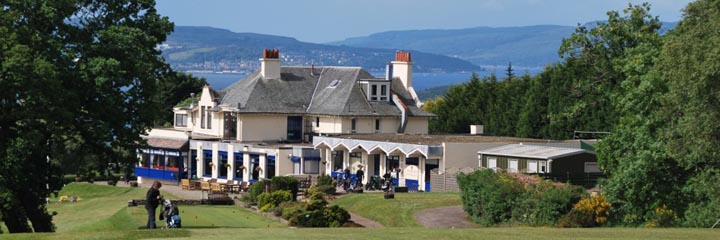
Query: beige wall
263, 127
462, 155
328, 125
283, 165
417, 125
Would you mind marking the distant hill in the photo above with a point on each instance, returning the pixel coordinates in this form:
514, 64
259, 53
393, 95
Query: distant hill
529, 47
214, 49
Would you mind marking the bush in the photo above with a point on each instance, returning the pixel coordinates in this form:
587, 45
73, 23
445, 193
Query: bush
662, 217
588, 212
327, 189
268, 201
315, 212
324, 180
545, 203
285, 183
255, 190
488, 197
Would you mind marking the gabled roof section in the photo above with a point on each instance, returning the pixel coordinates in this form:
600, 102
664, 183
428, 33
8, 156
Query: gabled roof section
532, 151
290, 94
308, 90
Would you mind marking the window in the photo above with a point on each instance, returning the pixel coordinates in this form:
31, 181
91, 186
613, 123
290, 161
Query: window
312, 166
513, 165
532, 166
181, 120
353, 125
209, 118
207, 157
334, 83
492, 163
317, 122
592, 167
202, 116
377, 125
373, 93
383, 93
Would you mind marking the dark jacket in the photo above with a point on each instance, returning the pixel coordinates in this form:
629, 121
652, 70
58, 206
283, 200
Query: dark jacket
151, 198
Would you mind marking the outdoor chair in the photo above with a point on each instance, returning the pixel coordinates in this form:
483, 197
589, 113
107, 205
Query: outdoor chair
215, 187
185, 184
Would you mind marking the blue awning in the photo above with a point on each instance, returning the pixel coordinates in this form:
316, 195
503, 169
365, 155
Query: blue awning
312, 158
295, 159
271, 157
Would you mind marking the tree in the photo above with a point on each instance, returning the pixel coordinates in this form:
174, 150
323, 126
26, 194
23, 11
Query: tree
76, 75
689, 65
176, 87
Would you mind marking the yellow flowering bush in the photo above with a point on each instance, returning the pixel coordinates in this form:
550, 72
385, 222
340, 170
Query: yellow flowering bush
662, 217
588, 212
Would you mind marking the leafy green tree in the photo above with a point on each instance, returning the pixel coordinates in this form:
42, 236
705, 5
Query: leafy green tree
689, 63
175, 88
76, 75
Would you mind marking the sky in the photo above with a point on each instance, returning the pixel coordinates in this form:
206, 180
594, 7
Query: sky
321, 21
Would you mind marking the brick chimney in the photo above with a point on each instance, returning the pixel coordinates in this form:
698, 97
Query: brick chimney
270, 64
402, 68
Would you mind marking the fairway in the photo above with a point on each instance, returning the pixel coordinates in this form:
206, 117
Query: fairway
104, 208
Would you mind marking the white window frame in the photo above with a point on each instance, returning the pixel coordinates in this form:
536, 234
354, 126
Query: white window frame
532, 169
492, 163
515, 168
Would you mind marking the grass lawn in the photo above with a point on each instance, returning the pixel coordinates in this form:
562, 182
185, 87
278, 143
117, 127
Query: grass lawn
387, 233
103, 214
398, 212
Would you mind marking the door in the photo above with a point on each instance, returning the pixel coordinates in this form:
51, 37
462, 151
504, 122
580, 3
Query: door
294, 128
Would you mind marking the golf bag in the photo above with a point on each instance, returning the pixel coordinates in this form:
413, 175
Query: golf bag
375, 183
171, 214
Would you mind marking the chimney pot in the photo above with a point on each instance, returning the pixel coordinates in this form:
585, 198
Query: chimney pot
270, 64
402, 56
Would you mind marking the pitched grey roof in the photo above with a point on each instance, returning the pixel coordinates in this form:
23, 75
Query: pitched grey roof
307, 90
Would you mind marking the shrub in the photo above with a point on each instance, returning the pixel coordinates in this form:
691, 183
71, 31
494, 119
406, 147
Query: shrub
268, 201
327, 189
285, 183
324, 180
545, 203
335, 216
662, 217
255, 190
588, 212
488, 197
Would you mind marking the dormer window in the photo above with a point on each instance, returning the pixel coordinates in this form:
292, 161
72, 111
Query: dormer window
378, 91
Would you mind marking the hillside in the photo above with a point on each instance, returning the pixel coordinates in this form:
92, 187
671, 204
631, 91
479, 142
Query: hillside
528, 47
213, 49
531, 46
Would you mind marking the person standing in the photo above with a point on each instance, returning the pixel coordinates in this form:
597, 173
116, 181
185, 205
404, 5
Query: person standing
360, 174
152, 200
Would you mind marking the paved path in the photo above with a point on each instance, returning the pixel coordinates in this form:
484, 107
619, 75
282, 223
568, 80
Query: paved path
445, 217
